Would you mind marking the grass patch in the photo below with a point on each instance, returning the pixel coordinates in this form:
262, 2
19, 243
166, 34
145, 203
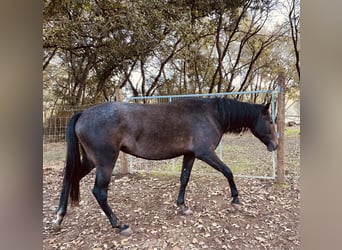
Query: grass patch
172, 167
230, 148
54, 154
292, 131
281, 185
161, 174
240, 167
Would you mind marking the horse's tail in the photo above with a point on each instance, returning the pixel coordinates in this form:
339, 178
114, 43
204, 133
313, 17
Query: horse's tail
73, 161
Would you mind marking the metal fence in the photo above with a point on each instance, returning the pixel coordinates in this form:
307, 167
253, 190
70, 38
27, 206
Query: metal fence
55, 120
244, 154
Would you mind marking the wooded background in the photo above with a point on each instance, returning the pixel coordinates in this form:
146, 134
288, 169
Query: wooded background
91, 49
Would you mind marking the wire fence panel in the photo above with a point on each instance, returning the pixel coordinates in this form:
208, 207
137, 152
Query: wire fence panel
55, 121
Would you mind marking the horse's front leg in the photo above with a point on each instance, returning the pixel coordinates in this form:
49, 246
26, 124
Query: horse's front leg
188, 162
212, 159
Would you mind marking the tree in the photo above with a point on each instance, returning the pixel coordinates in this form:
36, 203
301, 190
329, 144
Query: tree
173, 46
294, 24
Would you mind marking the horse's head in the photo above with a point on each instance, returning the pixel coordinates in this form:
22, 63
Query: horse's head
264, 129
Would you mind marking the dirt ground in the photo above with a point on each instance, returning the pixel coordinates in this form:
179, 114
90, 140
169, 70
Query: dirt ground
267, 219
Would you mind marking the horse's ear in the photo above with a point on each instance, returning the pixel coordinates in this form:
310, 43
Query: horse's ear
266, 107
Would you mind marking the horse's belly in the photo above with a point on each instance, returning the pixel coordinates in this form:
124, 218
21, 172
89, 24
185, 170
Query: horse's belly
153, 155
156, 149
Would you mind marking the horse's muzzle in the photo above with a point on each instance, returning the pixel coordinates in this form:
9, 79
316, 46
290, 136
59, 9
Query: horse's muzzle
272, 146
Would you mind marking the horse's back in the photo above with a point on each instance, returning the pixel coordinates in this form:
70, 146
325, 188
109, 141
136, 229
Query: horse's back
152, 131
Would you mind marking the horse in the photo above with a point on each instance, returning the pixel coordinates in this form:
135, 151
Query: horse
188, 127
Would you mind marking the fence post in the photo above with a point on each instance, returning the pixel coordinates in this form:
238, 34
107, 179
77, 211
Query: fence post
281, 129
123, 157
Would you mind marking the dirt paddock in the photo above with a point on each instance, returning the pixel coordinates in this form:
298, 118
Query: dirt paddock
267, 219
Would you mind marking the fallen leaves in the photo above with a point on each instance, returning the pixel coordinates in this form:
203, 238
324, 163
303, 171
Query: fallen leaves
268, 217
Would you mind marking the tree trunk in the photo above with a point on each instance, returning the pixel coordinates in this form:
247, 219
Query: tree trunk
124, 166
281, 129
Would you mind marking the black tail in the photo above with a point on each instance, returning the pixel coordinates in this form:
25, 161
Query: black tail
73, 162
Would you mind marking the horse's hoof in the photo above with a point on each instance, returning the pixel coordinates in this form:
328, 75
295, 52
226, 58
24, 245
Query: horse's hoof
125, 230
186, 211
235, 201
56, 226
236, 207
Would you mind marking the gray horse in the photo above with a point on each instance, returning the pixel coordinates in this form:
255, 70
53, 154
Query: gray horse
188, 127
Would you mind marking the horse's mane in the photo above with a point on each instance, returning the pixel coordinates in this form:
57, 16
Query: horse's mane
236, 116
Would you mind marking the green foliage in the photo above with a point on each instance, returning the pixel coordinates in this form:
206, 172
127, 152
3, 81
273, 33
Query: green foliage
93, 48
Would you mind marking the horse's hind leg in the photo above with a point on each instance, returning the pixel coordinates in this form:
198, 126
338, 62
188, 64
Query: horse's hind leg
100, 191
86, 167
188, 162
212, 159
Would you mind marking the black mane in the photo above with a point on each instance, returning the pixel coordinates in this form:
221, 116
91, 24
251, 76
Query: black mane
236, 116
